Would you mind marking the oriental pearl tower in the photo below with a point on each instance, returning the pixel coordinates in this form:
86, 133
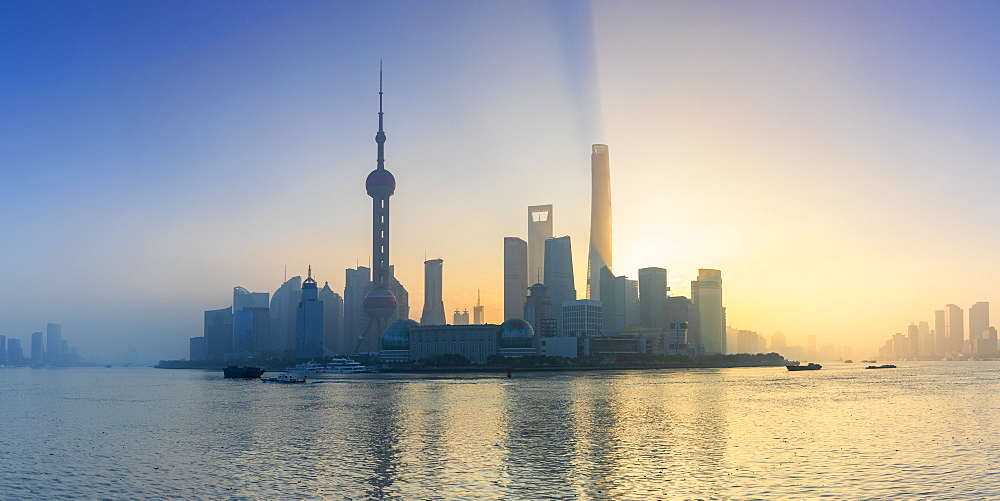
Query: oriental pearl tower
379, 303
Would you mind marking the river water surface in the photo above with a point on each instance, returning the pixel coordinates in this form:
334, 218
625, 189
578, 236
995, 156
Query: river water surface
925, 430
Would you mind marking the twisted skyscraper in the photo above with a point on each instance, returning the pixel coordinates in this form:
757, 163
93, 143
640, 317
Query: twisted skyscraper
600, 220
380, 302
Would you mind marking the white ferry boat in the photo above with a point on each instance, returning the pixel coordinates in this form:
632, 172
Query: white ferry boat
307, 368
344, 366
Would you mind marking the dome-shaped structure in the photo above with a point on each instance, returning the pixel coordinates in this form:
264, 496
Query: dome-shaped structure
380, 303
516, 333
380, 184
397, 335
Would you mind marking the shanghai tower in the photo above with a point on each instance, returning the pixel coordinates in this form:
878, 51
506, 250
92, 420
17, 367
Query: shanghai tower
600, 220
380, 303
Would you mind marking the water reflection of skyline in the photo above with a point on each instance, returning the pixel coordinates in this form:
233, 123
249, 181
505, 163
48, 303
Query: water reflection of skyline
924, 431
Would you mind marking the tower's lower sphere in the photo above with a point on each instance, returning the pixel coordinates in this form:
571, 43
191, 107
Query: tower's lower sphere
380, 303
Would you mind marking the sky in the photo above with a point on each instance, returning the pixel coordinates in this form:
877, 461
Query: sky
836, 160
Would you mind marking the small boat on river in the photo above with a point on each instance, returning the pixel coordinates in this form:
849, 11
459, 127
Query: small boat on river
284, 379
883, 366
810, 367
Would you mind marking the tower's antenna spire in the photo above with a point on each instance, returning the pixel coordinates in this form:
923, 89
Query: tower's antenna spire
310, 271
479, 296
380, 136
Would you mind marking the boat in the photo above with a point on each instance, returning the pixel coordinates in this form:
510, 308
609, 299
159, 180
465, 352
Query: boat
307, 368
810, 367
234, 372
344, 366
868, 361
285, 379
883, 366
848, 361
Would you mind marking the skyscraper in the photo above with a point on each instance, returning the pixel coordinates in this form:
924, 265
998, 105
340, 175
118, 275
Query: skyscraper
461, 318
539, 230
37, 356
954, 327
218, 333
380, 303
926, 341
284, 301
515, 277
652, 297
478, 311
559, 274
433, 313
309, 321
357, 283
539, 311
940, 336
979, 320
53, 335
333, 328
707, 295
600, 219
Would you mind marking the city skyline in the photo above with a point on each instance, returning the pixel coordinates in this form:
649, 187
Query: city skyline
837, 144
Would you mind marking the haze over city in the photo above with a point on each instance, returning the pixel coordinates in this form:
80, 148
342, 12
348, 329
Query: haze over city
834, 160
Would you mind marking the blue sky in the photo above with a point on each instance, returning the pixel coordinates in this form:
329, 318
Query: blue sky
156, 154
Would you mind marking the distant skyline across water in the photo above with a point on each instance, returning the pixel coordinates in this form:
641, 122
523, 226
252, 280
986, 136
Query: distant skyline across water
834, 159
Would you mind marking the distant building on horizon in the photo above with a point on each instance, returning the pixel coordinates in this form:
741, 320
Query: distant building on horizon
600, 219
979, 320
461, 318
706, 292
433, 313
479, 311
53, 338
515, 277
940, 334
37, 354
954, 326
15, 354
539, 230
